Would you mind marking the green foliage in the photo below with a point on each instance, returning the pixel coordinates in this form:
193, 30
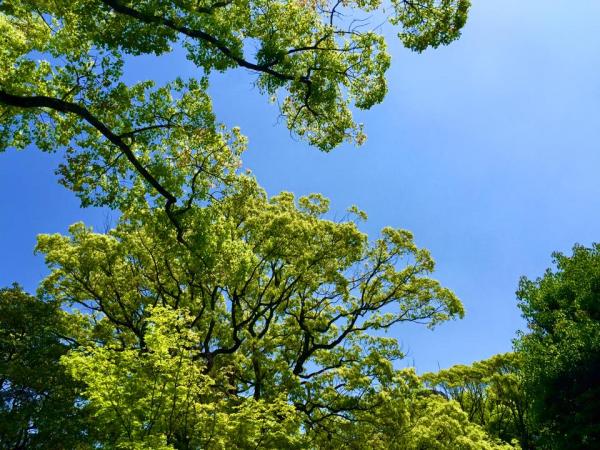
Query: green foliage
38, 402
212, 316
407, 416
163, 396
264, 315
492, 395
561, 350
546, 394
62, 63
429, 23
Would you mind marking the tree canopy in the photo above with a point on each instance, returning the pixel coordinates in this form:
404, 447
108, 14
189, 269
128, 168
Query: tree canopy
267, 307
38, 401
492, 394
213, 315
62, 65
561, 350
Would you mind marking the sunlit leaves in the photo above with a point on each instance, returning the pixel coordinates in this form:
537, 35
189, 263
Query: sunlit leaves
268, 299
316, 61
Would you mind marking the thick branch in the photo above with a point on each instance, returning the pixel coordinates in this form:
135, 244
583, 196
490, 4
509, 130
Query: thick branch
120, 8
62, 106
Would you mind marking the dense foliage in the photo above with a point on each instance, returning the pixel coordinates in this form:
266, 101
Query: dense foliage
561, 350
62, 84
254, 333
546, 395
491, 393
211, 316
162, 398
267, 309
214, 316
38, 401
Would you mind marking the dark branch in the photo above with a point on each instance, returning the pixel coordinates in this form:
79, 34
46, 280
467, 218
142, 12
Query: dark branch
120, 8
62, 106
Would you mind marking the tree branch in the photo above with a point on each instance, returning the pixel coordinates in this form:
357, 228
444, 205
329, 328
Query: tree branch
120, 8
62, 106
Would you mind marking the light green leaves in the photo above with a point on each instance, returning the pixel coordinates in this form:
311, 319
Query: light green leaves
429, 23
213, 316
161, 395
267, 299
309, 56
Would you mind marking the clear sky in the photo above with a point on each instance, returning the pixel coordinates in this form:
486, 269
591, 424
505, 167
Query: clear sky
487, 150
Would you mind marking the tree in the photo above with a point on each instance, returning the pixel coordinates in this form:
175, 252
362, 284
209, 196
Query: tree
61, 78
213, 316
491, 393
561, 350
264, 317
38, 401
409, 416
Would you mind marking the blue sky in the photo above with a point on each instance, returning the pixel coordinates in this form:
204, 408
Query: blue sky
486, 150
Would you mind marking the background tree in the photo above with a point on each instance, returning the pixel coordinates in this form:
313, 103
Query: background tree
38, 400
408, 416
561, 350
491, 393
